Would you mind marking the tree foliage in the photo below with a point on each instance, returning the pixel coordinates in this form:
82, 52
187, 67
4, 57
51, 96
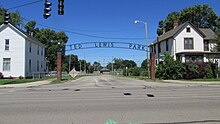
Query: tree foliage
69, 62
53, 41
217, 40
121, 64
15, 17
169, 68
202, 16
144, 64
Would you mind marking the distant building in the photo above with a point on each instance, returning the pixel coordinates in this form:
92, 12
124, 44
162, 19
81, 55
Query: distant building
186, 43
20, 53
104, 70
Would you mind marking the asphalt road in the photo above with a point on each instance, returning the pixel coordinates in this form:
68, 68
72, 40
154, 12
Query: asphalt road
96, 99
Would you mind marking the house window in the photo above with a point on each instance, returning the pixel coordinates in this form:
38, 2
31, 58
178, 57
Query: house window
155, 49
30, 47
29, 65
37, 65
6, 44
167, 45
159, 48
41, 51
188, 43
188, 30
41, 64
194, 58
206, 45
6, 64
37, 50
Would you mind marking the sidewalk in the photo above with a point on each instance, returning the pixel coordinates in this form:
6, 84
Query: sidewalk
31, 84
190, 82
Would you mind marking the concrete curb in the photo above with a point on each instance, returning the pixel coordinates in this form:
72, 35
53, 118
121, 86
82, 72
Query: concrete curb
190, 82
31, 84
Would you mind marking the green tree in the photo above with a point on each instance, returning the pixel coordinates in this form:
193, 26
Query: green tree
54, 41
69, 62
15, 17
202, 16
82, 64
118, 63
97, 66
144, 64
30, 27
129, 63
217, 40
169, 68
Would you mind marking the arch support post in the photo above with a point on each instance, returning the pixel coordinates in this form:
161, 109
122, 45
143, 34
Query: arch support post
152, 66
59, 66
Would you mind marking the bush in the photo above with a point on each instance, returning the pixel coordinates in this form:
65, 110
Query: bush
136, 71
1, 75
191, 71
199, 70
21, 77
208, 71
144, 72
10, 77
169, 69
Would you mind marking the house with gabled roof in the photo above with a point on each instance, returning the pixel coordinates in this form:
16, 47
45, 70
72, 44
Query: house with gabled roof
186, 43
20, 53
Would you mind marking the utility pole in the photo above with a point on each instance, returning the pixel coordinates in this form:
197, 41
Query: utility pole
69, 62
84, 63
112, 66
80, 66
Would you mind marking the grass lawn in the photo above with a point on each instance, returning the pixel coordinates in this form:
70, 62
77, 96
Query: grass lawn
207, 79
19, 81
68, 78
138, 77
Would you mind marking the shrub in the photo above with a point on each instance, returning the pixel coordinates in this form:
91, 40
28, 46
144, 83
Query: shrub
144, 72
199, 70
1, 75
191, 71
169, 68
21, 77
10, 77
135, 71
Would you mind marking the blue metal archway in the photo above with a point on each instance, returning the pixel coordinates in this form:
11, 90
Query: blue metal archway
122, 45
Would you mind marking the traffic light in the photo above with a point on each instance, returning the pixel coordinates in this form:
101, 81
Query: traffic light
47, 9
60, 7
6, 17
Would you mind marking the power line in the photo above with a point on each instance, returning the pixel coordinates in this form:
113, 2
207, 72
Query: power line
88, 35
26, 4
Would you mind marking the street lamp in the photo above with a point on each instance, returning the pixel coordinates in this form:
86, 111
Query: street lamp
146, 33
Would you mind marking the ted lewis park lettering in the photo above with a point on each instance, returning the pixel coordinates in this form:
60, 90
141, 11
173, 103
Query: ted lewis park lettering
106, 45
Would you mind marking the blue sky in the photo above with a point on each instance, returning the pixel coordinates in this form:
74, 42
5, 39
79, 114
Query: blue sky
107, 18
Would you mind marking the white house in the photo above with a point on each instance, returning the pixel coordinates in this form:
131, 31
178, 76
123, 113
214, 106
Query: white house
186, 43
20, 53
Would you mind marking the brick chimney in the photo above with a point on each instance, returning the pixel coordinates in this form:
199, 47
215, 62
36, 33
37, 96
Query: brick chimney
175, 24
164, 30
